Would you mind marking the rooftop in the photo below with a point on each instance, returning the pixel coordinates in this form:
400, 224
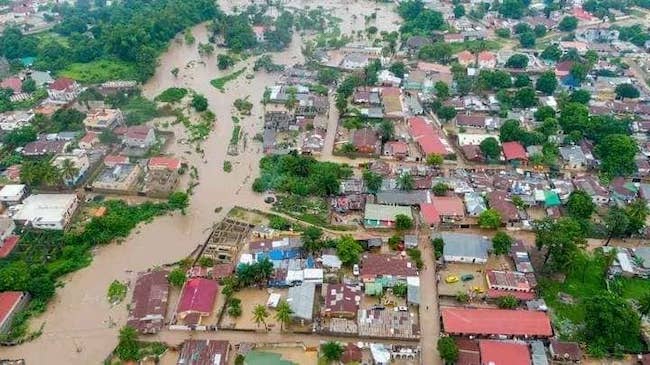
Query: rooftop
8, 301
469, 321
149, 303
504, 353
385, 212
204, 352
198, 295
373, 265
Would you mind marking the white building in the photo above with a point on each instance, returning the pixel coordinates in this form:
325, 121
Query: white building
47, 211
12, 193
14, 120
7, 227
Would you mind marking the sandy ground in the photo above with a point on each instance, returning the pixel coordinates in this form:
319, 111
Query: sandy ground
79, 325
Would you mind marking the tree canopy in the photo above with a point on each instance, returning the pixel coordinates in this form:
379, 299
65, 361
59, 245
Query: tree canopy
490, 219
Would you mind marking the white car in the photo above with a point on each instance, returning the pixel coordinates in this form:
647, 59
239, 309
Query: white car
355, 270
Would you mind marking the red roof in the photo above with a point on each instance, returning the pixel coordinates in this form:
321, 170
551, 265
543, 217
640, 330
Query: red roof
13, 83
581, 14
112, 160
138, 132
204, 352
486, 56
89, 137
169, 163
465, 56
397, 147
514, 151
198, 296
62, 84
470, 321
390, 91
424, 134
449, 205
8, 302
352, 353
504, 353
8, 246
149, 303
429, 213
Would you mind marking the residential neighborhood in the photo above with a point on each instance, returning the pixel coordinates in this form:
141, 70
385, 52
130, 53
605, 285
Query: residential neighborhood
370, 182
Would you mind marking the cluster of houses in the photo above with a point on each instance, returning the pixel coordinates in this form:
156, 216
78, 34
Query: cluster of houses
295, 117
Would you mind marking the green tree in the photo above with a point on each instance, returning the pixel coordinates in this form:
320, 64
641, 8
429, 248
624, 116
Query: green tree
386, 130
503, 33
525, 97
440, 189
398, 69
517, 60
616, 152
580, 205
543, 113
540, 30
406, 182
225, 61
260, 314
626, 91
127, 348
579, 71
442, 90
28, 85
490, 148
68, 170
311, 239
446, 113
489, 219
552, 53
507, 302
439, 52
637, 213
527, 40
459, 11
19, 137
546, 83
283, 314
501, 243
435, 159
177, 277
178, 200
327, 76
643, 304
348, 250
611, 325
199, 102
372, 180
403, 222
561, 239
616, 222
448, 349
581, 96
331, 351
568, 24
522, 80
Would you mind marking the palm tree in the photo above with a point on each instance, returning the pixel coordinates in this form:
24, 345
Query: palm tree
68, 170
260, 314
406, 182
332, 351
644, 304
283, 314
51, 175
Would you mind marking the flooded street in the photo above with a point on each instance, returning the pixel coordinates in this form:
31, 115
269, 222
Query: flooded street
80, 327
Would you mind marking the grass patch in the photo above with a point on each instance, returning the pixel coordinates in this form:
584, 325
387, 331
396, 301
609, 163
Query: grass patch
101, 71
490, 45
116, 292
220, 83
199, 130
587, 279
172, 95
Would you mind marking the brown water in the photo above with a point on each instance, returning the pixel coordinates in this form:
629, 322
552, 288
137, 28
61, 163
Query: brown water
80, 327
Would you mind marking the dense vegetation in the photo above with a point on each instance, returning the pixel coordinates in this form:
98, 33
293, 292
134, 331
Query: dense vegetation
42, 257
300, 175
130, 34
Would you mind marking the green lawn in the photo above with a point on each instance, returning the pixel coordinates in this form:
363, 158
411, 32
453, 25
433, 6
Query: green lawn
490, 45
101, 71
585, 280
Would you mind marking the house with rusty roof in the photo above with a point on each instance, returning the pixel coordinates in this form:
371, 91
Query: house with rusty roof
149, 303
341, 300
204, 352
374, 266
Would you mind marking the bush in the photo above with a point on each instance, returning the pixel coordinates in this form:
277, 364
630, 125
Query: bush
116, 292
199, 103
177, 277
172, 95
507, 302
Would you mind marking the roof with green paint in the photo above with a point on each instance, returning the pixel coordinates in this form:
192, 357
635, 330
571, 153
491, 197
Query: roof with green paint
551, 198
265, 358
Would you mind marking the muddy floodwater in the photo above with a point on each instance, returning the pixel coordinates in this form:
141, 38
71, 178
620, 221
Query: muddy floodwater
80, 327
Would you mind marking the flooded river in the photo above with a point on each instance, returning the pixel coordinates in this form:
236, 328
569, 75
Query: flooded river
80, 327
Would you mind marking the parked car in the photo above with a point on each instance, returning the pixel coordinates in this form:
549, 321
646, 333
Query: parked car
467, 277
355, 270
451, 279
